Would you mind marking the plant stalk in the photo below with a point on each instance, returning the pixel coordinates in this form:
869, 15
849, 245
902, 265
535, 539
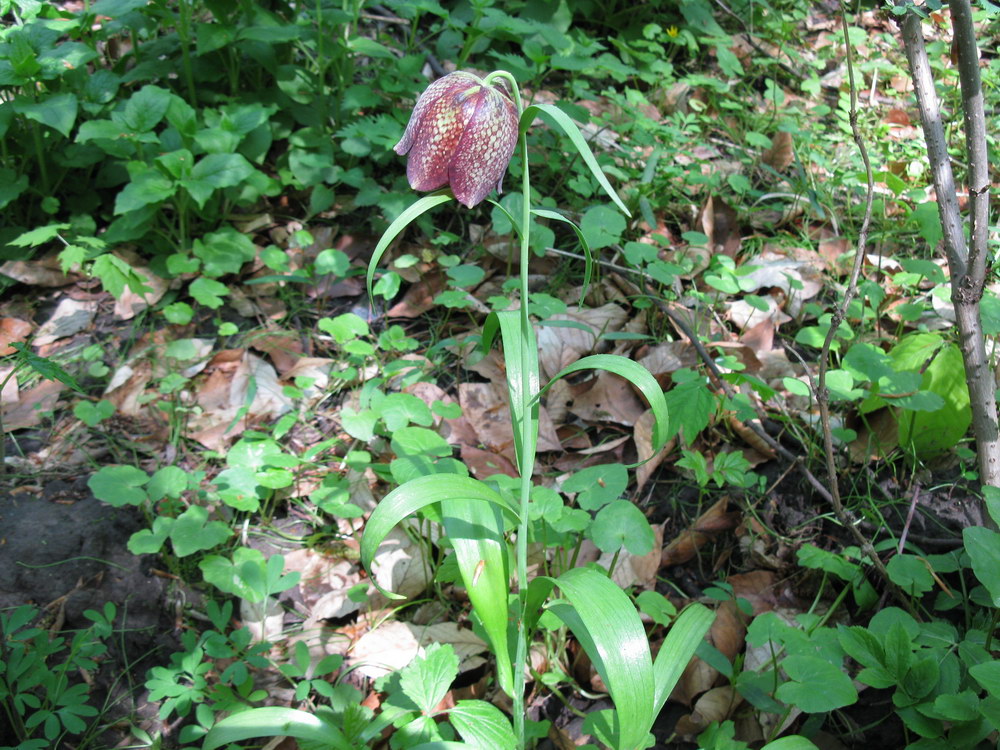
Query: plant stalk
529, 384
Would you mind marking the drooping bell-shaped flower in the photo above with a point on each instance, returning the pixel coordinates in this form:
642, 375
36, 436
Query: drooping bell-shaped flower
462, 133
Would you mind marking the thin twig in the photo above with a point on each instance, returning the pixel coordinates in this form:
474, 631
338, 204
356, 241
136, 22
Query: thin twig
840, 313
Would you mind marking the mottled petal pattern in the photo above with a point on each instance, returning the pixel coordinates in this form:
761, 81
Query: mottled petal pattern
461, 133
484, 152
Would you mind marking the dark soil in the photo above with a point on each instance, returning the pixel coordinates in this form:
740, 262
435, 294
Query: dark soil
64, 551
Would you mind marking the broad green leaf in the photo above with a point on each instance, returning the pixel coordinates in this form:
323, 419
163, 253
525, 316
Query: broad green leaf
208, 292
602, 226
145, 188
145, 108
560, 118
792, 742
222, 170
193, 532
413, 496
636, 374
805, 673
224, 251
119, 485
983, 546
622, 524
422, 205
57, 112
273, 721
11, 185
597, 485
988, 675
38, 235
483, 725
475, 530
690, 406
426, 679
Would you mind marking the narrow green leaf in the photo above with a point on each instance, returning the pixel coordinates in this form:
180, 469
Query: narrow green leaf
635, 373
509, 324
421, 206
560, 118
414, 495
588, 267
274, 721
476, 532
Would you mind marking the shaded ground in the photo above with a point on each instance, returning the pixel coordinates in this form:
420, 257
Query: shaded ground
64, 551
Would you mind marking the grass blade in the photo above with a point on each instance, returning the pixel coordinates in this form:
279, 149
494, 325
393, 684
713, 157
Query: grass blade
422, 205
566, 124
414, 495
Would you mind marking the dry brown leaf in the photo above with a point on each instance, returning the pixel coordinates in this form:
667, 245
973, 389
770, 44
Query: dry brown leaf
468, 646
611, 398
283, 347
70, 317
9, 394
224, 395
559, 347
316, 369
483, 464
31, 405
400, 567
727, 634
130, 304
264, 619
716, 705
720, 222
757, 587
45, 271
127, 385
419, 298
485, 408
387, 648
665, 359
324, 583
781, 154
710, 523
12, 331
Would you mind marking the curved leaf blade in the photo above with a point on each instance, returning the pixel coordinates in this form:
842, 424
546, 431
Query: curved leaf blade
605, 621
274, 721
588, 268
421, 206
570, 128
411, 497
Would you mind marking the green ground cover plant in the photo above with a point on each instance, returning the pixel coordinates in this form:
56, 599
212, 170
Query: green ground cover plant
230, 165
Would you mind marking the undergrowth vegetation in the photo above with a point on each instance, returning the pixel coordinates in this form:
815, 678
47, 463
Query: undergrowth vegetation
515, 474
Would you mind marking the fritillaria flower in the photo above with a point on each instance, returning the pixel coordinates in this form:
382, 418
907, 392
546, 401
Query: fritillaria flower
462, 133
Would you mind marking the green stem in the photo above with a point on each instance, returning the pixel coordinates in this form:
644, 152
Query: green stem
184, 13
529, 382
